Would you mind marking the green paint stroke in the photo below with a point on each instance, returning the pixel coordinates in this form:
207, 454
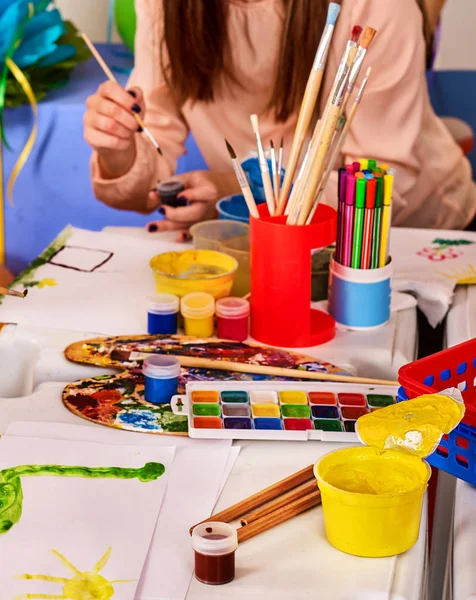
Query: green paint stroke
11, 493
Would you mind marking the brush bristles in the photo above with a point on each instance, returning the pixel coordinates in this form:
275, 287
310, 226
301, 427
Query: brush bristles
254, 123
271, 144
230, 150
356, 31
332, 13
367, 37
367, 73
281, 143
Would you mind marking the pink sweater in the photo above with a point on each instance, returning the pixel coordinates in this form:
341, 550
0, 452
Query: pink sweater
395, 123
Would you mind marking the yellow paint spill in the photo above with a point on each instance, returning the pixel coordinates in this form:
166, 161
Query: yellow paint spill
47, 283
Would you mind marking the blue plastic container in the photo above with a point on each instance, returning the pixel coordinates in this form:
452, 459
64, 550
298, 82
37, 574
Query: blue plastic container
359, 299
161, 378
162, 314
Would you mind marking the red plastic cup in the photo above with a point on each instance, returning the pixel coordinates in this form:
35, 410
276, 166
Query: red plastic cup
281, 313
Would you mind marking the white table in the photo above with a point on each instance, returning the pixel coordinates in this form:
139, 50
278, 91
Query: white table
293, 561
456, 500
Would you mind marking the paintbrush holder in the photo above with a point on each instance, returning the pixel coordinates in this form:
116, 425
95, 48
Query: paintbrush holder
281, 313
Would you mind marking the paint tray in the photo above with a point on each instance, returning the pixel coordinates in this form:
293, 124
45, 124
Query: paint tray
279, 410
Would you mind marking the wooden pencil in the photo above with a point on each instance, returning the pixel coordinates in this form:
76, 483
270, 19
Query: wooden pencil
110, 75
279, 516
279, 502
7, 292
252, 502
236, 367
308, 104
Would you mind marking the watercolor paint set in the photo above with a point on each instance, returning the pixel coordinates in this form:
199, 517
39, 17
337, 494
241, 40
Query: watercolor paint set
279, 410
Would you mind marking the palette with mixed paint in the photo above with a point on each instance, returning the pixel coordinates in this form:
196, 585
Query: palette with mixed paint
279, 410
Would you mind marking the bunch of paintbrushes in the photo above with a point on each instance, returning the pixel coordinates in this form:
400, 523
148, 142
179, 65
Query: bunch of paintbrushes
274, 505
364, 215
327, 137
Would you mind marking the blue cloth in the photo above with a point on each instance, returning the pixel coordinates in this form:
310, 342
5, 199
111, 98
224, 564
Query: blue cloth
54, 188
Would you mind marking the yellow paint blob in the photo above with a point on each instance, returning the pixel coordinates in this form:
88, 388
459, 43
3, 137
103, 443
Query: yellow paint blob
47, 283
265, 410
291, 397
414, 426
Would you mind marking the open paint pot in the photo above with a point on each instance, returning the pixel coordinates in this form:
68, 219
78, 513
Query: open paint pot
372, 499
214, 545
161, 378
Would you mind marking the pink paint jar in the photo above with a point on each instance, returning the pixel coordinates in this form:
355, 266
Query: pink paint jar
232, 318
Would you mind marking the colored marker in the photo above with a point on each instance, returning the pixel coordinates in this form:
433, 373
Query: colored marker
368, 223
348, 219
384, 168
386, 219
372, 165
374, 261
340, 215
364, 164
358, 222
356, 166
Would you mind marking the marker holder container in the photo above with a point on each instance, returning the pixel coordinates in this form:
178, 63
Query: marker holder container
359, 299
281, 313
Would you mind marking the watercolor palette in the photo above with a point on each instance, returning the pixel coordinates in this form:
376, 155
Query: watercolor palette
279, 410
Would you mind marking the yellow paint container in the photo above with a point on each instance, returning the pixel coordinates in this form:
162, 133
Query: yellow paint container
181, 273
198, 309
372, 496
265, 410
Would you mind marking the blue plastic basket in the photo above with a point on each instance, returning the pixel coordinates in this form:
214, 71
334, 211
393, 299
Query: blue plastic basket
456, 453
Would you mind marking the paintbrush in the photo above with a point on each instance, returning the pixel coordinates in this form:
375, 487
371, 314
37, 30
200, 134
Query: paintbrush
280, 163
308, 104
274, 172
263, 163
7, 292
111, 77
342, 72
243, 181
367, 37
328, 129
341, 135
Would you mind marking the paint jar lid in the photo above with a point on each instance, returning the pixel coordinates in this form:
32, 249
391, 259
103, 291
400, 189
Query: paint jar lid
164, 304
160, 366
214, 539
197, 305
232, 308
170, 188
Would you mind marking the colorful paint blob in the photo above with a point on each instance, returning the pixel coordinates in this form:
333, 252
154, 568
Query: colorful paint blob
265, 410
380, 400
353, 412
206, 397
238, 397
238, 423
11, 493
298, 424
206, 410
322, 398
349, 426
352, 400
268, 424
325, 412
293, 397
207, 423
297, 411
263, 397
328, 424
236, 410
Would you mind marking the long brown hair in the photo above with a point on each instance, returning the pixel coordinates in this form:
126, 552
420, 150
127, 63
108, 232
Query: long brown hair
195, 44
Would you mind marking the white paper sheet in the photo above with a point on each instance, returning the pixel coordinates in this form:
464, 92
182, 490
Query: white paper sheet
430, 263
97, 282
79, 517
201, 469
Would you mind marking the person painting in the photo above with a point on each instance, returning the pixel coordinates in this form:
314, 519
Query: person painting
203, 66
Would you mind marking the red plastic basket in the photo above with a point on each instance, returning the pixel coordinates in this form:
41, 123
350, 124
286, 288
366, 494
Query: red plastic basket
453, 367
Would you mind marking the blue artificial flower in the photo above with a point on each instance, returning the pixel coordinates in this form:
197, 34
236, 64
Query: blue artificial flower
35, 36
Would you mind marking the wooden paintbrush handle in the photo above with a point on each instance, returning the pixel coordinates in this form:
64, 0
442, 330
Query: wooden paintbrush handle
279, 516
248, 504
223, 365
305, 115
280, 502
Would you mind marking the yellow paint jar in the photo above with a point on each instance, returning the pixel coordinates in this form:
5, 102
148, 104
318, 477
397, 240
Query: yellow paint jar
372, 496
198, 309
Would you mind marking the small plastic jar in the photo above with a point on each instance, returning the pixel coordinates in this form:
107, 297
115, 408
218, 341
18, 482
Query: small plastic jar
232, 318
197, 309
214, 545
168, 192
161, 378
162, 314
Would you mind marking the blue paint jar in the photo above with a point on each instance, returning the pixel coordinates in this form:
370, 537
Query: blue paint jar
162, 314
161, 378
